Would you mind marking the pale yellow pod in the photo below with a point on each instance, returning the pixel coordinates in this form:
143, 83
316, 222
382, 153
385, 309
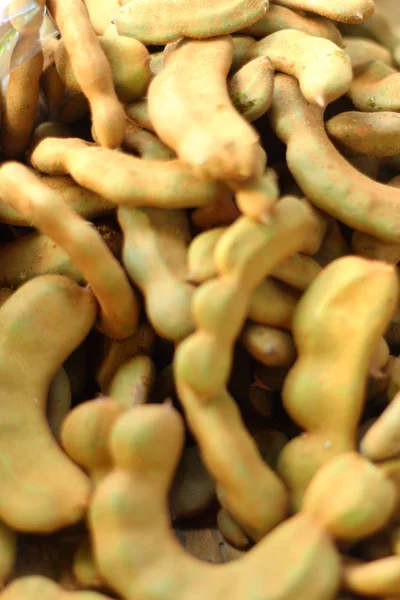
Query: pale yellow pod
138, 112
273, 303
257, 198
268, 345
376, 578
344, 11
133, 381
382, 441
297, 271
101, 13
200, 260
156, 22
251, 88
232, 531
375, 87
35, 587
147, 145
281, 17
192, 113
322, 68
363, 50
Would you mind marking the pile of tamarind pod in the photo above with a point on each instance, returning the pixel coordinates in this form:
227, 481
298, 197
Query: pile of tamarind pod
199, 297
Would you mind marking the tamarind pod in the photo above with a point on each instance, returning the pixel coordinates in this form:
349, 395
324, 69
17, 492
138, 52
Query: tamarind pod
204, 130
270, 346
126, 180
74, 109
374, 88
154, 255
323, 392
368, 246
258, 197
322, 68
92, 70
350, 497
335, 186
370, 134
59, 402
244, 256
128, 59
101, 14
19, 107
147, 146
193, 489
138, 112
378, 28
309, 568
362, 50
376, 578
241, 51
273, 303
200, 259
46, 210
154, 22
36, 587
280, 17
382, 442
333, 245
51, 84
232, 531
251, 88
297, 271
50, 129
133, 382
8, 551
344, 11
85, 434
112, 354
43, 490
223, 211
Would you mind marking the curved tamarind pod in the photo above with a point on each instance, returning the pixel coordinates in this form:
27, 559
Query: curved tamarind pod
154, 255
297, 271
257, 198
92, 70
241, 51
335, 186
8, 551
251, 88
42, 489
126, 180
59, 402
155, 22
130, 507
370, 134
129, 61
133, 382
193, 489
375, 578
324, 391
378, 28
274, 304
268, 345
322, 68
46, 210
232, 531
147, 146
200, 259
382, 441
112, 354
344, 11
362, 50
369, 247
138, 112
19, 107
350, 497
205, 130
35, 587
223, 211
280, 17
101, 14
375, 87
85, 434
225, 299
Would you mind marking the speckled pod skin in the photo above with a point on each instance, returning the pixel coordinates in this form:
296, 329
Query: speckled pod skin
344, 11
43, 490
281, 17
251, 88
157, 22
324, 391
101, 14
335, 186
129, 61
36, 587
362, 50
191, 111
138, 112
147, 145
295, 562
154, 255
322, 68
375, 87
126, 180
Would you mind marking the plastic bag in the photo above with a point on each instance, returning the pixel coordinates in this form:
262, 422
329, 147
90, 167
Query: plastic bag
19, 37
